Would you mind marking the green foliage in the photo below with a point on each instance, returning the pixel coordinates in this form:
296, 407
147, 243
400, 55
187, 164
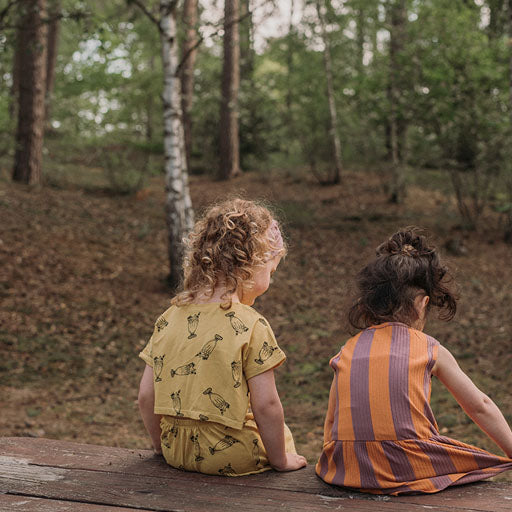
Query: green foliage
453, 100
123, 173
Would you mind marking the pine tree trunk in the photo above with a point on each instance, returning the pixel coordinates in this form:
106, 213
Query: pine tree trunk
289, 71
16, 64
179, 213
397, 126
361, 26
51, 58
509, 9
246, 41
508, 227
229, 143
31, 95
150, 106
187, 70
333, 116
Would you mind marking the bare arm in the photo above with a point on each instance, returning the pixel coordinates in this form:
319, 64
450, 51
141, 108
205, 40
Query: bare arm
478, 406
146, 408
268, 413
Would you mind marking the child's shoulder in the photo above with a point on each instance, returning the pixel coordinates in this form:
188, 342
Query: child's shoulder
249, 313
393, 330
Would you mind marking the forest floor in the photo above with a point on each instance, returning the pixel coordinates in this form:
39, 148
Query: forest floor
82, 280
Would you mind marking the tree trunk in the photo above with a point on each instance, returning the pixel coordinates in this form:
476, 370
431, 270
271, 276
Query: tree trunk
508, 227
150, 106
333, 116
16, 64
397, 126
187, 70
246, 41
361, 27
509, 8
289, 70
229, 143
32, 62
179, 213
496, 18
51, 58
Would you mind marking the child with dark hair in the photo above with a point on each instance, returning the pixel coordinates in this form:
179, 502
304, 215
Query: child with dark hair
380, 435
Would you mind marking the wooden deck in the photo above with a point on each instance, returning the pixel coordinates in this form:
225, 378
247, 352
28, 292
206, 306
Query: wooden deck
56, 476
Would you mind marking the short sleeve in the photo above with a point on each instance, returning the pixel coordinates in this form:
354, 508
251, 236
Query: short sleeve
147, 352
160, 325
262, 353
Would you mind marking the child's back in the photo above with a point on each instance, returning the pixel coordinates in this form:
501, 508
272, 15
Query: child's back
212, 356
380, 434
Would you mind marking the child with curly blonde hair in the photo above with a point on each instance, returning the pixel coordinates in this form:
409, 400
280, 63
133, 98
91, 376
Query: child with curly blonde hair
207, 395
380, 435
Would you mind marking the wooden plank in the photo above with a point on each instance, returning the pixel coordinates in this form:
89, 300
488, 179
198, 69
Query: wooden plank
10, 503
168, 495
491, 496
157, 494
61, 468
65, 454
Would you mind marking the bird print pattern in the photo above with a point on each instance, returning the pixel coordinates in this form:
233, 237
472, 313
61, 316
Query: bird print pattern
197, 448
176, 402
161, 324
158, 366
219, 349
223, 444
186, 369
265, 353
209, 347
236, 323
236, 373
227, 470
256, 452
217, 400
193, 322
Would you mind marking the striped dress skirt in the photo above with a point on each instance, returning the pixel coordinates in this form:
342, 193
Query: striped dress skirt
380, 435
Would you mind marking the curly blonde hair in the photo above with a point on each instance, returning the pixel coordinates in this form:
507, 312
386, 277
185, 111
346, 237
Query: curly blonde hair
225, 246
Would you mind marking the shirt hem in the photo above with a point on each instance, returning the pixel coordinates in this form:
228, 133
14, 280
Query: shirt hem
237, 425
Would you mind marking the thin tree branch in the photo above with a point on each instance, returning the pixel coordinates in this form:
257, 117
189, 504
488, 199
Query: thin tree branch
201, 38
5, 11
147, 12
171, 7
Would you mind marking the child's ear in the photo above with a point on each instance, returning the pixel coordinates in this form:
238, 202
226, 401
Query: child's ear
421, 303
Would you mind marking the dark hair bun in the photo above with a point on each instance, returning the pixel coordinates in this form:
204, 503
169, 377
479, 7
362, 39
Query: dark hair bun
407, 242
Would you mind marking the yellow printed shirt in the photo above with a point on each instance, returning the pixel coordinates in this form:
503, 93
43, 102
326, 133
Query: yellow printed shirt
203, 355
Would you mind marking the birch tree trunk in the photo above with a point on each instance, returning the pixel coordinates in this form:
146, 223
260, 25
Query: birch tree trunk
179, 213
333, 116
187, 70
31, 93
229, 143
397, 127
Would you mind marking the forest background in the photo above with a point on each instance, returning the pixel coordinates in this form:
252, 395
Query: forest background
121, 120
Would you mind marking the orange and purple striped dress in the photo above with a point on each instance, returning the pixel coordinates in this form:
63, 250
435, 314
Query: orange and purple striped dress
380, 435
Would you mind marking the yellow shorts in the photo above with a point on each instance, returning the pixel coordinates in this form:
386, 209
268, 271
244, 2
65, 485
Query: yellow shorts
214, 449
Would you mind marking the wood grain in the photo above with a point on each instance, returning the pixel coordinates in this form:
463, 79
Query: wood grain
78, 477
